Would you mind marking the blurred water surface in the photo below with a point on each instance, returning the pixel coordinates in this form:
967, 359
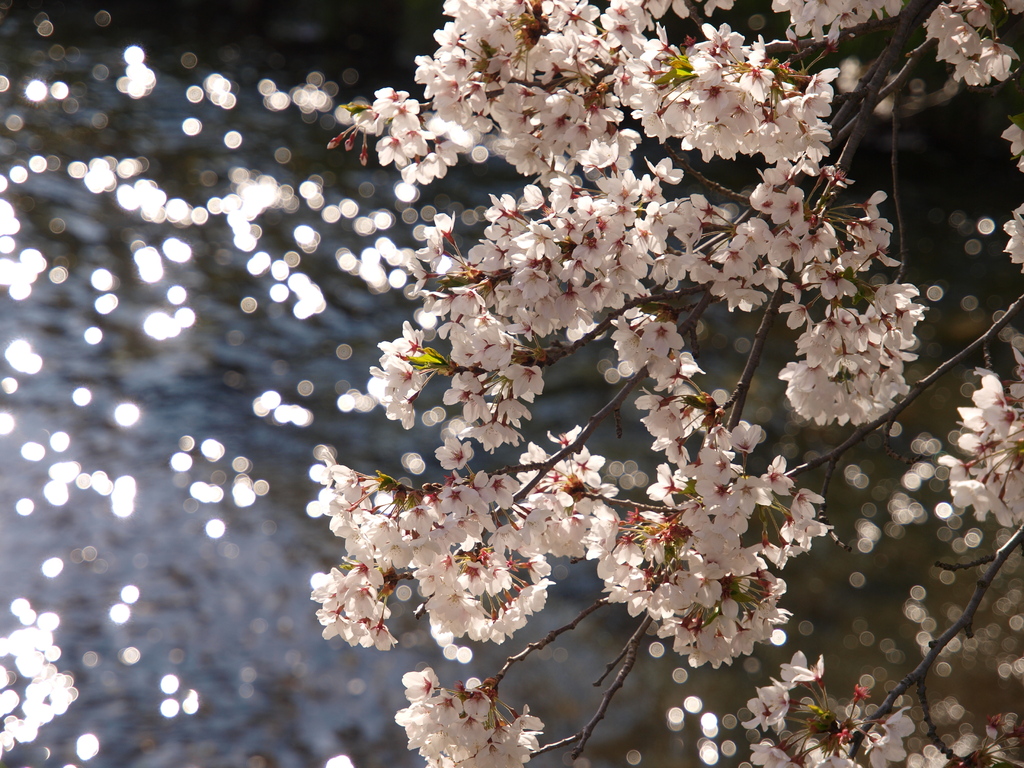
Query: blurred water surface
187, 313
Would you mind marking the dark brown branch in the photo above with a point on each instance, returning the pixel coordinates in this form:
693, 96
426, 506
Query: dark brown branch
897, 197
913, 59
583, 736
739, 395
963, 566
938, 645
695, 13
714, 186
843, 119
617, 683
691, 321
891, 452
809, 47
549, 638
823, 509
909, 18
611, 665
614, 404
863, 431
926, 712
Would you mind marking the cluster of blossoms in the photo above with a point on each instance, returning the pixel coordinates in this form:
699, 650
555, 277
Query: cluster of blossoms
851, 358
966, 32
991, 479
814, 735
553, 78
466, 726
479, 553
815, 17
447, 538
724, 98
600, 250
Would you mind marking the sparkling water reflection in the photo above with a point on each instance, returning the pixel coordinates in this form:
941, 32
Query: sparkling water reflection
168, 264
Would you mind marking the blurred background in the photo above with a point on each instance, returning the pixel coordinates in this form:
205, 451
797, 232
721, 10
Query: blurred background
194, 288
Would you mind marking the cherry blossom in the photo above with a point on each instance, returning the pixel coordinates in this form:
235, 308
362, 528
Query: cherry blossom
465, 726
598, 250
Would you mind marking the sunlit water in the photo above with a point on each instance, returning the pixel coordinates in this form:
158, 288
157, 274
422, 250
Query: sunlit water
182, 301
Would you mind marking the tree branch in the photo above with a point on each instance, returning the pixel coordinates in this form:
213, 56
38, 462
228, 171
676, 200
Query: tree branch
714, 186
909, 20
695, 13
739, 395
926, 712
937, 646
614, 404
583, 736
863, 431
913, 59
617, 683
549, 638
811, 46
830, 468
897, 197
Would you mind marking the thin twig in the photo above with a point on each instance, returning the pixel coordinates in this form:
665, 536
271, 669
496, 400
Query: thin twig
714, 186
863, 431
620, 679
556, 744
663, 509
696, 313
549, 638
631, 383
812, 46
963, 566
695, 13
937, 646
823, 509
926, 711
611, 407
634, 638
556, 353
891, 452
897, 198
739, 394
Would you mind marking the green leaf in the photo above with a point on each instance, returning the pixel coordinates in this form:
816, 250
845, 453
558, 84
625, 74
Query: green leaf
386, 482
1018, 120
680, 70
453, 281
429, 359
